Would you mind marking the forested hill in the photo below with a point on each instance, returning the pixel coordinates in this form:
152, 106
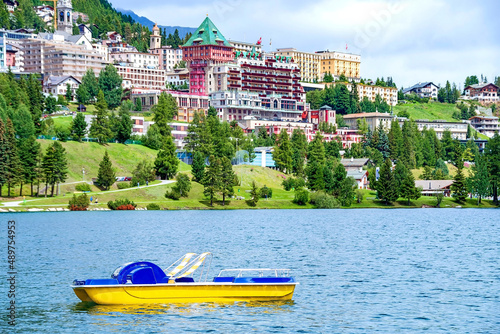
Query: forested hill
148, 23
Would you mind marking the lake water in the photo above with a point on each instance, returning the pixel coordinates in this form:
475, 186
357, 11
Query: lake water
360, 271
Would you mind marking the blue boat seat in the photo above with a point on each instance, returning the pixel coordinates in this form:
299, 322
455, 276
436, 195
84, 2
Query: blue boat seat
103, 281
142, 275
122, 273
224, 279
184, 280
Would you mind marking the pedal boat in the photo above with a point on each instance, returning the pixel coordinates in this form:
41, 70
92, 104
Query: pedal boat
147, 283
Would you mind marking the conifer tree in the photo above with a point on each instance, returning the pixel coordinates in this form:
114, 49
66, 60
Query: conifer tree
166, 162
459, 186
29, 154
35, 100
315, 162
339, 175
395, 138
408, 155
90, 85
211, 179
227, 179
23, 123
386, 185
69, 93
123, 124
383, 142
61, 165
479, 180
106, 175
14, 169
79, 127
182, 185
110, 83
407, 189
164, 112
198, 166
100, 127
254, 193
82, 95
400, 174
328, 176
282, 154
492, 154
347, 193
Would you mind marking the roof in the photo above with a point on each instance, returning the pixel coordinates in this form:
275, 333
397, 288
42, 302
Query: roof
56, 80
356, 174
354, 162
484, 117
481, 85
207, 34
419, 85
433, 184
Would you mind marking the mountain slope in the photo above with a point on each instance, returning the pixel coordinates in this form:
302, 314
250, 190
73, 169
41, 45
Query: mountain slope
148, 23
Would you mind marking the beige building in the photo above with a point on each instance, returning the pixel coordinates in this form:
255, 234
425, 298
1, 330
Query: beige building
337, 63
486, 125
308, 62
168, 57
135, 59
388, 94
140, 78
373, 119
58, 58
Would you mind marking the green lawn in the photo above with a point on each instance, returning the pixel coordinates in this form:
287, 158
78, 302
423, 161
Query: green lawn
63, 121
430, 111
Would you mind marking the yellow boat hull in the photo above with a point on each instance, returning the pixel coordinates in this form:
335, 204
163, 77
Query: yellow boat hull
183, 293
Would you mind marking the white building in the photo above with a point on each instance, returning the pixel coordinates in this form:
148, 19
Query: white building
486, 125
57, 85
423, 90
135, 59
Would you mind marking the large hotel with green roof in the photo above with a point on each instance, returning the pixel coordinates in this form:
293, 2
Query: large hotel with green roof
243, 85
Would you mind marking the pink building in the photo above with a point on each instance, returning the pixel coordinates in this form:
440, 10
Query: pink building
11, 56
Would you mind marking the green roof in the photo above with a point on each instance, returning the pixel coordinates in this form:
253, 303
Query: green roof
207, 34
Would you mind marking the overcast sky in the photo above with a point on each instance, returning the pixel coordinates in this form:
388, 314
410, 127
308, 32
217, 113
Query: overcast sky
410, 40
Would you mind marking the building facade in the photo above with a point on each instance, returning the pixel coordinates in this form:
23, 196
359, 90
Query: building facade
245, 46
65, 16
338, 63
388, 94
486, 125
58, 85
168, 57
309, 63
140, 78
135, 59
483, 93
423, 90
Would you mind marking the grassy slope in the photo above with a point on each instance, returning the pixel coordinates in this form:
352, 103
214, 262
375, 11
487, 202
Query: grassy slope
430, 111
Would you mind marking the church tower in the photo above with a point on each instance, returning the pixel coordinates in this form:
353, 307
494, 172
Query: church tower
65, 16
155, 38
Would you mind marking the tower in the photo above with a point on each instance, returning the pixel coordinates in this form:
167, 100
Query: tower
65, 16
155, 38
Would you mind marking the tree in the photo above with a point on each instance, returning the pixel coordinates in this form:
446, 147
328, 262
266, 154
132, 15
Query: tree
479, 180
82, 95
50, 104
383, 142
143, 172
166, 162
315, 162
182, 185
123, 126
54, 166
164, 112
211, 179
254, 194
347, 193
386, 185
339, 175
69, 93
106, 175
198, 167
110, 83
282, 153
299, 150
29, 152
395, 139
459, 186
138, 105
23, 124
227, 179
90, 84
407, 189
400, 174
100, 128
492, 154
13, 172
79, 127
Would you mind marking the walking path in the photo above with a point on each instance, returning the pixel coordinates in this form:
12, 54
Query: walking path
18, 203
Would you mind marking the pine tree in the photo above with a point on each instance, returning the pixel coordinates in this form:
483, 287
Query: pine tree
492, 154
227, 179
395, 138
29, 152
82, 95
198, 166
138, 105
50, 104
166, 162
386, 185
383, 142
14, 172
100, 127
407, 189
479, 180
124, 123
328, 176
315, 162
211, 180
408, 156
299, 150
61, 165
23, 124
110, 83
106, 175
164, 112
254, 193
347, 193
459, 186
79, 127
182, 185
90, 84
69, 93
282, 153
339, 175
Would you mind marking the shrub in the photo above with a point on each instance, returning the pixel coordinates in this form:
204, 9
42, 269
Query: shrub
292, 183
439, 198
173, 194
153, 206
82, 187
122, 204
266, 192
80, 203
359, 196
301, 197
322, 200
123, 185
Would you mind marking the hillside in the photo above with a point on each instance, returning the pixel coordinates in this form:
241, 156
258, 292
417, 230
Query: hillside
89, 155
148, 23
430, 111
